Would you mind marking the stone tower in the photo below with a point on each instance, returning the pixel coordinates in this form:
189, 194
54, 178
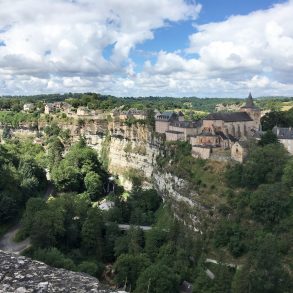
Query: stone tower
253, 111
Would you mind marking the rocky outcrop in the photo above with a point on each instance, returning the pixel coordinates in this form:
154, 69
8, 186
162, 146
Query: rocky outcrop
183, 199
23, 275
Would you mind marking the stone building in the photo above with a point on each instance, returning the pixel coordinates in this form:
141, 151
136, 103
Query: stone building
238, 124
285, 137
239, 151
223, 130
29, 107
182, 130
162, 121
57, 107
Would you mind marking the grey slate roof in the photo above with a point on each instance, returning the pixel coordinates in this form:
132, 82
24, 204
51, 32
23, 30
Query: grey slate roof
229, 117
167, 116
186, 124
283, 132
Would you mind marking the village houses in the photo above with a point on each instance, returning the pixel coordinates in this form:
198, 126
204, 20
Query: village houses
216, 132
29, 107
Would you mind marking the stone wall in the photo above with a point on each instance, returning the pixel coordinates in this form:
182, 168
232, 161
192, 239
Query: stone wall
201, 152
23, 275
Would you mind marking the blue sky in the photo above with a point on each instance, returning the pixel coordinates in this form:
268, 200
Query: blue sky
175, 36
147, 47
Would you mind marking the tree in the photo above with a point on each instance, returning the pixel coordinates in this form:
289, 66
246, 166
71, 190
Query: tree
66, 177
157, 278
91, 268
54, 257
128, 268
8, 207
33, 176
93, 184
112, 232
55, 150
155, 238
92, 233
47, 227
132, 242
33, 206
264, 165
268, 138
288, 171
263, 271
270, 203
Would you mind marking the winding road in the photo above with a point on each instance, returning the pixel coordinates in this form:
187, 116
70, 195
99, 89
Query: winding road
7, 242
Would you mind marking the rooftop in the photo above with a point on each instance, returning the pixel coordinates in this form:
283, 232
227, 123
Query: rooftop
186, 124
283, 132
166, 116
229, 117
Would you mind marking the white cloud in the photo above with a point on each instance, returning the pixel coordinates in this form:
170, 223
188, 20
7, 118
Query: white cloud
59, 45
243, 53
53, 39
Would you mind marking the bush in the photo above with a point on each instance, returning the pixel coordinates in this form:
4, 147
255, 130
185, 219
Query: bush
54, 257
91, 268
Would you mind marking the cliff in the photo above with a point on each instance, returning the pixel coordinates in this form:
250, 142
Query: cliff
132, 151
129, 151
23, 275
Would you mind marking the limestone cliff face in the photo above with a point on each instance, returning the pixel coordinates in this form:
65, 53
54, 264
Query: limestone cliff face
23, 275
135, 149
127, 150
132, 150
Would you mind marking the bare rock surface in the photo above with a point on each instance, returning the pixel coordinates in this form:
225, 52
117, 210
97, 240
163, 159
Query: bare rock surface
23, 275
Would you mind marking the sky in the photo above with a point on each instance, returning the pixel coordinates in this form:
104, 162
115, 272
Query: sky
203, 48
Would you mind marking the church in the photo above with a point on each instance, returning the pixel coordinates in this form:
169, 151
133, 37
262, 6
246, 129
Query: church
216, 134
224, 129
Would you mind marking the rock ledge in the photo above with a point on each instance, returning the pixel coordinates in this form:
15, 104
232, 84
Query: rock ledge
23, 275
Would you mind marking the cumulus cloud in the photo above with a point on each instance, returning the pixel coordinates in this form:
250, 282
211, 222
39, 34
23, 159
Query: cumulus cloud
52, 39
245, 52
87, 45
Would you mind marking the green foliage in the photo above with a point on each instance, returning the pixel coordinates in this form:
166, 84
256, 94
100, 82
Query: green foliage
66, 177
92, 229
263, 271
268, 138
8, 207
128, 267
20, 178
155, 238
288, 171
47, 227
15, 119
55, 150
264, 165
270, 203
277, 118
132, 242
231, 235
33, 206
93, 184
221, 282
54, 257
91, 268
157, 278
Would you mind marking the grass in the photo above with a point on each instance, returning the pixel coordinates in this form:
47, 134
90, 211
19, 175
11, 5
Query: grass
286, 106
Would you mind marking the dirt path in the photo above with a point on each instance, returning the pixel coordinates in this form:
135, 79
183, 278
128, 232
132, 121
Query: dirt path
7, 243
